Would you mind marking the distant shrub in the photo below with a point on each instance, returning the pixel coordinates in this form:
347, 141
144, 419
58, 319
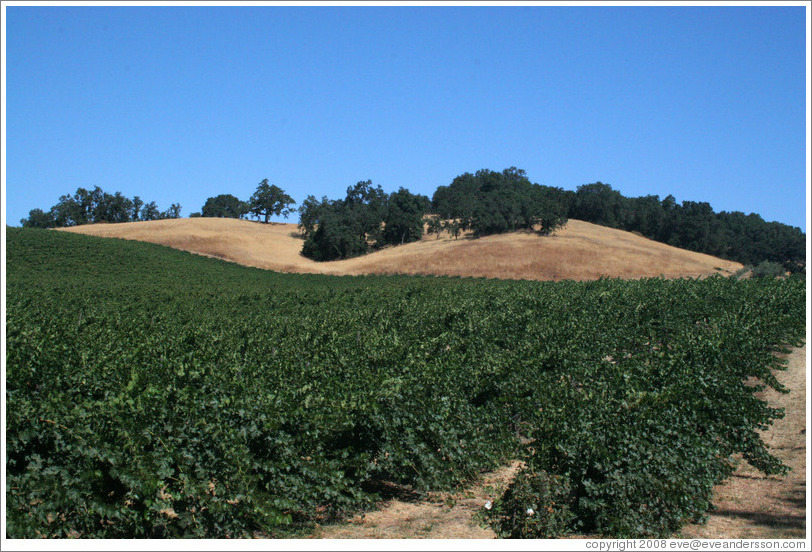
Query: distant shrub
768, 269
739, 274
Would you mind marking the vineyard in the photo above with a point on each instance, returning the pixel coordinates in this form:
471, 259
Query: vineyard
152, 392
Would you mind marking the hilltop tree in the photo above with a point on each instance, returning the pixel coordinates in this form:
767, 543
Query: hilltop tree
550, 209
404, 218
338, 235
491, 202
136, 208
453, 227
343, 228
597, 203
73, 210
365, 219
37, 218
366, 206
748, 239
172, 213
457, 200
113, 208
224, 206
91, 206
310, 212
150, 212
270, 200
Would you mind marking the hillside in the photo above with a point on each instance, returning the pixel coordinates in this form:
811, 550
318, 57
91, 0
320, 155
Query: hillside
579, 251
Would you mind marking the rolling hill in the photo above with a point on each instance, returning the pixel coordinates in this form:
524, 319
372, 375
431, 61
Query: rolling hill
579, 251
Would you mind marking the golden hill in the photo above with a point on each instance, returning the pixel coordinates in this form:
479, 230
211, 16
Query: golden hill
579, 251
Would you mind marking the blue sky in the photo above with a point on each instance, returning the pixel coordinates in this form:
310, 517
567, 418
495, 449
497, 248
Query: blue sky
177, 104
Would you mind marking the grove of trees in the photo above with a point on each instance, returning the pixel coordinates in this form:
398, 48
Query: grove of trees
366, 219
692, 225
487, 202
484, 203
490, 202
91, 206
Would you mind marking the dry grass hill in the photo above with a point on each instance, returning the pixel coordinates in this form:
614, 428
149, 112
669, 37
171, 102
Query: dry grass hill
579, 251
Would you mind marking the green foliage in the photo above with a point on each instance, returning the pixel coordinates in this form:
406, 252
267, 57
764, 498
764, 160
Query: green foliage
151, 392
87, 207
453, 227
365, 206
491, 203
224, 206
172, 213
37, 218
339, 235
536, 505
597, 203
310, 211
645, 430
366, 219
768, 269
269, 200
150, 211
403, 222
434, 226
693, 225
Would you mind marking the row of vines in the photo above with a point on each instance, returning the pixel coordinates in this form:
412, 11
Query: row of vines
151, 393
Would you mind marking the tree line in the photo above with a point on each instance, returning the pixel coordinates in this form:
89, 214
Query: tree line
482, 203
366, 219
268, 200
692, 225
91, 206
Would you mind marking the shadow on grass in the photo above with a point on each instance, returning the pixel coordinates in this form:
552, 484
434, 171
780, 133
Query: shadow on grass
766, 519
387, 490
797, 498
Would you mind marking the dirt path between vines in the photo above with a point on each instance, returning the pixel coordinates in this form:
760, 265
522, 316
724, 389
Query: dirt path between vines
748, 505
751, 505
437, 516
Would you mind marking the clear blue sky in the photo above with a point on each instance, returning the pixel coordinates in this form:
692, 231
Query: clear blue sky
177, 104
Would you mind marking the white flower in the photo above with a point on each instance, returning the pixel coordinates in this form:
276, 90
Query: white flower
488, 505
530, 511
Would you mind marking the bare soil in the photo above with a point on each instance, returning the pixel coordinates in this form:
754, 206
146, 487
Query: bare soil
438, 516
